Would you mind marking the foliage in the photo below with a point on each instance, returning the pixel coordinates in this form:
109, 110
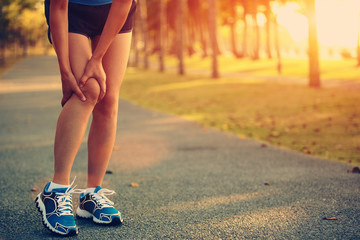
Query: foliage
21, 21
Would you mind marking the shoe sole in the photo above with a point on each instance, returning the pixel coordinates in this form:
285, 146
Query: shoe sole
41, 207
85, 214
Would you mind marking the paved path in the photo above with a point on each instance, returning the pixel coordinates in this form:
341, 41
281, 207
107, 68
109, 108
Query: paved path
193, 183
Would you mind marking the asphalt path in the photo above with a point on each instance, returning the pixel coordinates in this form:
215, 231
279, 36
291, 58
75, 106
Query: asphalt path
173, 178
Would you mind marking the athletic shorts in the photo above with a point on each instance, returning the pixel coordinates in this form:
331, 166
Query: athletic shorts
90, 20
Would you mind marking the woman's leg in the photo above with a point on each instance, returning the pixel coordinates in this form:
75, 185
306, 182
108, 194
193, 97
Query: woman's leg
73, 119
103, 127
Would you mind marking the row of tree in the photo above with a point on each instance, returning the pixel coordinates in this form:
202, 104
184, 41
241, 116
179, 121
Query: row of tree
22, 24
190, 26
177, 27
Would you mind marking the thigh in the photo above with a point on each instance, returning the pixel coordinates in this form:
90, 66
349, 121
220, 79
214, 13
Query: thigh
79, 53
115, 62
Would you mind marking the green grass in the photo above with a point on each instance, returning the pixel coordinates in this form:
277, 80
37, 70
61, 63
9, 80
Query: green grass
321, 122
342, 70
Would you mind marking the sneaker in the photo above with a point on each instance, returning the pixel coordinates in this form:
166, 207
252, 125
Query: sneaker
98, 207
56, 209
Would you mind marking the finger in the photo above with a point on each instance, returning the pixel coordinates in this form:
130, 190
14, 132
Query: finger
83, 80
102, 90
101, 95
79, 93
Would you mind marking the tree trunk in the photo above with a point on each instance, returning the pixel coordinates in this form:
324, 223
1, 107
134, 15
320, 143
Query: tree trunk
358, 49
180, 36
314, 69
203, 36
233, 30
136, 39
213, 35
257, 31
162, 26
144, 28
2, 53
358, 43
277, 46
245, 37
268, 23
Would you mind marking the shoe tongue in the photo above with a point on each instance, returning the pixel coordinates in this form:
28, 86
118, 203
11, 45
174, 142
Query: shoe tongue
98, 188
59, 190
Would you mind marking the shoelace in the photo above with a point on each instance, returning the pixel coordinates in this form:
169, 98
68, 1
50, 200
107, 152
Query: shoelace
65, 201
102, 199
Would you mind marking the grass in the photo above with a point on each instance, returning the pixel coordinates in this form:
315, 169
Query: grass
321, 122
342, 70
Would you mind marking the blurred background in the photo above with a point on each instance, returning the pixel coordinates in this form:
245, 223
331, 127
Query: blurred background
284, 72
255, 29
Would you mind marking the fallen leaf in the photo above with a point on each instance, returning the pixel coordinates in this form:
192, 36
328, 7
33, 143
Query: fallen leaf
109, 172
313, 143
263, 145
134, 184
330, 218
274, 134
354, 170
34, 189
268, 183
306, 150
317, 130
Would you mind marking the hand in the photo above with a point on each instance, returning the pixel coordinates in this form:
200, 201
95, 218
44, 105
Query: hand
70, 86
94, 69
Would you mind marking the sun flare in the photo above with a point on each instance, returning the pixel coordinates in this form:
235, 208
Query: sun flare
338, 22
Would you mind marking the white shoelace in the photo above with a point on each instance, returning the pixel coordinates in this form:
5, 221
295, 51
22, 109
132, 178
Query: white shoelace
102, 199
65, 201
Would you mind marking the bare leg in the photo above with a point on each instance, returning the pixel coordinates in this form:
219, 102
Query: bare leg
103, 127
73, 119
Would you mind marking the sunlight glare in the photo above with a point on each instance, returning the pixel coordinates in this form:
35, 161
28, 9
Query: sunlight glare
293, 21
338, 22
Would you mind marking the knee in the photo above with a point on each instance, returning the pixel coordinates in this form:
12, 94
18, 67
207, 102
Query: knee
91, 91
107, 107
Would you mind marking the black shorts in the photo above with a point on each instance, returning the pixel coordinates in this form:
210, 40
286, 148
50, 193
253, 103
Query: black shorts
90, 20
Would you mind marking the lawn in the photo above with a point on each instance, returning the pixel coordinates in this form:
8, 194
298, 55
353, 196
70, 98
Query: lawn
321, 122
340, 70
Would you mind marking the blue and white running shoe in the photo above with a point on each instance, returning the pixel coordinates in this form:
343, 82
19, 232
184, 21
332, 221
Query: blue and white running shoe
98, 207
56, 209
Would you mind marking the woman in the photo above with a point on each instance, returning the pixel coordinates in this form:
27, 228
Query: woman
91, 76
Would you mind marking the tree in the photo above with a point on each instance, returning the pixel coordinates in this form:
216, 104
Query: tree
180, 36
21, 21
213, 35
268, 22
314, 69
144, 29
254, 11
162, 26
358, 44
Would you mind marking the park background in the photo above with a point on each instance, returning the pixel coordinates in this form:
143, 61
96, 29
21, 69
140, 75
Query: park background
285, 73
